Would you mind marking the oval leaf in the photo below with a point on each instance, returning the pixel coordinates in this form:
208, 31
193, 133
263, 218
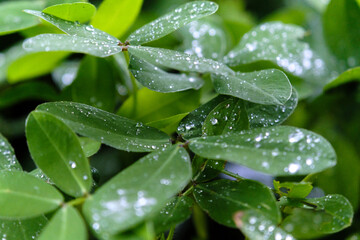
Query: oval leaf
267, 87
279, 151
172, 21
108, 128
223, 198
66, 224
23, 195
80, 11
56, 150
89, 146
178, 60
8, 159
138, 191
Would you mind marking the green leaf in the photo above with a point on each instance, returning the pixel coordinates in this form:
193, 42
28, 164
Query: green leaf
191, 125
271, 115
81, 12
29, 90
94, 84
168, 125
178, 60
116, 17
352, 74
12, 19
279, 43
172, 21
8, 56
138, 191
332, 214
66, 224
8, 159
65, 73
158, 80
56, 150
23, 195
255, 225
156, 106
223, 198
89, 146
24, 229
206, 169
40, 175
267, 87
62, 42
108, 128
342, 35
228, 116
176, 211
293, 189
278, 151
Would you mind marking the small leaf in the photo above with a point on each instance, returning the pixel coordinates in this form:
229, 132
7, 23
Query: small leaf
56, 150
158, 80
23, 195
352, 74
81, 12
65, 74
206, 169
8, 159
257, 226
40, 175
279, 151
269, 87
176, 211
108, 128
7, 57
156, 106
168, 125
223, 198
332, 214
138, 191
293, 189
172, 21
66, 224
12, 19
22, 229
115, 17
178, 60
89, 146
62, 42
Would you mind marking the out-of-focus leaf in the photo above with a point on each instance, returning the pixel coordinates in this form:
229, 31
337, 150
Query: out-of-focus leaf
12, 17
8, 159
89, 146
23, 195
223, 198
66, 224
172, 21
352, 74
115, 17
40, 175
108, 128
206, 169
293, 189
279, 151
65, 74
156, 106
49, 138
80, 11
138, 191
168, 125
7, 57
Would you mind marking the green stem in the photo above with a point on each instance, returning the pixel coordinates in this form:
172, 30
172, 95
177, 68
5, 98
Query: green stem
237, 177
200, 223
171, 233
309, 178
76, 201
133, 82
188, 191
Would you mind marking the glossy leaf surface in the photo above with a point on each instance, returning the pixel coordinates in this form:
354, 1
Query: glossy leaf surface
171, 21
178, 60
138, 191
66, 224
40, 175
158, 80
267, 87
257, 226
223, 198
8, 159
23, 195
278, 151
176, 211
332, 214
168, 125
108, 128
79, 11
89, 146
115, 17
293, 189
56, 150
12, 19
352, 74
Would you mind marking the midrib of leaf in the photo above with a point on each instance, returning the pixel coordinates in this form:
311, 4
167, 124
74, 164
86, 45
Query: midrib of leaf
82, 188
26, 195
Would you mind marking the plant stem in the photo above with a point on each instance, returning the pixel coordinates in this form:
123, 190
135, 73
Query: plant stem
200, 223
76, 201
171, 233
133, 82
309, 178
188, 191
234, 175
